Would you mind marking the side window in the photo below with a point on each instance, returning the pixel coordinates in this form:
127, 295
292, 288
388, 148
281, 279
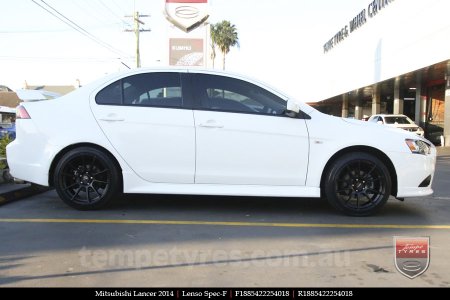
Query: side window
153, 89
233, 95
112, 94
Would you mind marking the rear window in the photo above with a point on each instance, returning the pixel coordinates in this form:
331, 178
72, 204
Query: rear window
160, 89
112, 94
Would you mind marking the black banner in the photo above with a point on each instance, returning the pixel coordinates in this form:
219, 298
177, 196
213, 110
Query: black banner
225, 293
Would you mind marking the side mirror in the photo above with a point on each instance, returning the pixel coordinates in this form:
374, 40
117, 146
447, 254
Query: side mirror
380, 122
292, 106
292, 109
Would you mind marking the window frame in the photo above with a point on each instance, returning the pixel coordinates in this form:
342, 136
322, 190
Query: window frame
199, 106
186, 101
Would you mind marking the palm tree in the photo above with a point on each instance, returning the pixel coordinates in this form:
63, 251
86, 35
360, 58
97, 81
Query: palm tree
225, 37
213, 34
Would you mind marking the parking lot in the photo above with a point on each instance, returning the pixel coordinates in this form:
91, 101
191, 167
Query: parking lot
194, 241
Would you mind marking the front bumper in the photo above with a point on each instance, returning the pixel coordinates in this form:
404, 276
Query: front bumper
412, 170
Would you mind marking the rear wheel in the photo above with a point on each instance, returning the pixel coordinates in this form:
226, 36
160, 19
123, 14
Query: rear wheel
86, 178
358, 184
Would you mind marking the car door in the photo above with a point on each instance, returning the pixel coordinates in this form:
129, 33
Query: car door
149, 123
243, 136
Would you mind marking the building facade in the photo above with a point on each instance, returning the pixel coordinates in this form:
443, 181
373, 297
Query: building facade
392, 56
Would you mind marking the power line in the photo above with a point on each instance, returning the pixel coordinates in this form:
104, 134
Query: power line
73, 59
88, 11
106, 25
117, 5
76, 27
86, 33
33, 31
113, 13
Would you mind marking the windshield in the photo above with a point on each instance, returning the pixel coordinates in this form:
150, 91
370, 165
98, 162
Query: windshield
397, 120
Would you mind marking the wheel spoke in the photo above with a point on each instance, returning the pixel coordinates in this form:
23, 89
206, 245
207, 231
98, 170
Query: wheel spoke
100, 172
350, 172
370, 172
344, 181
76, 193
349, 198
367, 196
376, 192
71, 166
70, 186
96, 191
87, 195
99, 181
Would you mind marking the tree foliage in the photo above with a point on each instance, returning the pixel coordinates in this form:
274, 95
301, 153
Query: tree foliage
223, 35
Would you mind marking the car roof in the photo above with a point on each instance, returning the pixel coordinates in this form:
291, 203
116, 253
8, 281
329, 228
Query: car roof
114, 76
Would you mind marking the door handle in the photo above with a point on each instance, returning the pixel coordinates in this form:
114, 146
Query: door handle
112, 118
211, 124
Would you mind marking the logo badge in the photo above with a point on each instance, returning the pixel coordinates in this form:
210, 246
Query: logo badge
187, 14
412, 255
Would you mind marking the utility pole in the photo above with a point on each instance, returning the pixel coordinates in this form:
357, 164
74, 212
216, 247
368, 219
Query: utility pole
137, 30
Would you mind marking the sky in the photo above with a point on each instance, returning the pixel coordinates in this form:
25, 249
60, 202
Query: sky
281, 42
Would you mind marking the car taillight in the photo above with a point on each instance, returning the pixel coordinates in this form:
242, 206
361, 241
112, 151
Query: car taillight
21, 113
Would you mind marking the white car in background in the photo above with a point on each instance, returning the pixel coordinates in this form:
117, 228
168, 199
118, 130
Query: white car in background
397, 121
179, 131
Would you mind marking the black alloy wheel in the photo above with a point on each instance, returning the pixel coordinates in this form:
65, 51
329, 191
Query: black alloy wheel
358, 184
86, 178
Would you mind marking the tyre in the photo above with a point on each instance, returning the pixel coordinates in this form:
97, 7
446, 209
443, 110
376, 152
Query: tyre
357, 184
86, 178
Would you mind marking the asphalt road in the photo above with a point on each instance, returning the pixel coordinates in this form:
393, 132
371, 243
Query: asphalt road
193, 241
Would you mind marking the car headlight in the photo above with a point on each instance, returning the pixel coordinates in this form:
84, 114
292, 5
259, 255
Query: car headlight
418, 146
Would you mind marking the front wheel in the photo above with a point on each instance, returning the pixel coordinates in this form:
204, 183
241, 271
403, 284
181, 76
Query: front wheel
358, 184
86, 178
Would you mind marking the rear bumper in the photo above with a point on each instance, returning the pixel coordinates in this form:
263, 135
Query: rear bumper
31, 169
30, 155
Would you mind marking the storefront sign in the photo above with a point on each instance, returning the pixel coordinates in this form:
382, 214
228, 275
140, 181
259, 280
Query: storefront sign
358, 21
186, 52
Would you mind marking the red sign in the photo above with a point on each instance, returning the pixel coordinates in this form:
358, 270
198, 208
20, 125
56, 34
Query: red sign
187, 14
412, 255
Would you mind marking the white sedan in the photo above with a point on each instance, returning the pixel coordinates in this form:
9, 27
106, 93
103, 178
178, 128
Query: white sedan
397, 121
178, 131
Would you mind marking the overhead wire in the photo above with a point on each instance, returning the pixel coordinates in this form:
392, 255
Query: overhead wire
92, 15
54, 12
113, 13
